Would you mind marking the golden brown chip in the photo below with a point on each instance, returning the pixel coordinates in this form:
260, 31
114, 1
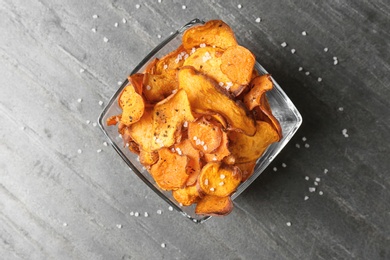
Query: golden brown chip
113, 120
142, 132
208, 60
246, 169
132, 104
214, 206
204, 94
170, 170
136, 80
148, 158
218, 179
204, 135
158, 87
186, 196
194, 164
168, 118
212, 33
221, 152
151, 67
238, 63
172, 60
249, 148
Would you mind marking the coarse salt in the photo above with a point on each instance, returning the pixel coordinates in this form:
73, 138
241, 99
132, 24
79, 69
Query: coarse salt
222, 176
170, 208
306, 198
307, 178
163, 245
212, 189
100, 103
206, 56
165, 66
116, 24
119, 226
148, 87
79, 151
183, 7
159, 36
119, 83
132, 213
304, 139
326, 49
304, 33
288, 224
206, 182
318, 179
95, 16
284, 165
65, 224
124, 20
319, 79
105, 39
137, 6
341, 109
79, 100
300, 69
307, 145
93, 30
239, 6
275, 169
202, 45
136, 214
283, 44
307, 73
258, 20
320, 193
88, 121
159, 211
146, 214
293, 51
297, 146
94, 124
335, 62
82, 70
316, 183
312, 189
325, 171
221, 183
99, 150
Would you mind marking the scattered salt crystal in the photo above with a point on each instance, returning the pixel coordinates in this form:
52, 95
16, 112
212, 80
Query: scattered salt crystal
159, 1
304, 33
119, 83
202, 45
307, 73
137, 6
195, 138
307, 145
163, 245
79, 100
221, 183
132, 213
239, 6
288, 224
185, 124
93, 29
159, 211
148, 87
335, 62
306, 198
95, 16
119, 226
146, 214
88, 121
100, 103
300, 69
65, 224
212, 189
318, 179
307, 178
222, 176
205, 147
326, 49
304, 139
105, 39
94, 124
136, 214
284, 165
334, 58
325, 171
344, 131
82, 70
206, 56
124, 20
312, 189
320, 193
116, 24
297, 146
283, 44
79, 151
105, 143
99, 150
319, 79
170, 208
316, 183
258, 20
183, 7
23, 128
120, 136
292, 51
275, 169
165, 66
341, 109
206, 182
159, 36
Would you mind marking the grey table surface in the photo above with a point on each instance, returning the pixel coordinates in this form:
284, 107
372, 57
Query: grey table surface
60, 198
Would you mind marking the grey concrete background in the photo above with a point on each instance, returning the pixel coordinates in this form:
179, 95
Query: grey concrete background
57, 203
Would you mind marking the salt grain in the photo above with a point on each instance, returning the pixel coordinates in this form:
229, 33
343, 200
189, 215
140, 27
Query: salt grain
318, 179
183, 7
292, 51
105, 39
94, 124
132, 213
304, 139
170, 208
146, 214
212, 189
320, 193
326, 49
105, 143
288, 224
159, 1
136, 214
306, 198
119, 226
65, 224
341, 109
344, 132
335, 62
312, 189
222, 176
99, 150
221, 183
88, 121
283, 44
95, 16
79, 151
116, 24
275, 169
137, 6
163, 245
307, 178
307, 145
119, 83
258, 20
159, 211
300, 69
93, 30
319, 79
159, 36
239, 6
304, 33
148, 87
316, 183
206, 182
79, 100
284, 165
124, 20
307, 73
100, 103
82, 70
297, 146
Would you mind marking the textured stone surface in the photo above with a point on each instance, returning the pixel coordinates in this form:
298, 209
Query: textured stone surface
61, 199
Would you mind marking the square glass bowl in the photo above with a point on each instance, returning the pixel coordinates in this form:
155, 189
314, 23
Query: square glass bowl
282, 108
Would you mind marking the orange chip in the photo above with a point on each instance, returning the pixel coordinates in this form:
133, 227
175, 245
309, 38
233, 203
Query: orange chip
186, 196
148, 158
238, 63
113, 120
214, 206
141, 132
194, 165
246, 169
221, 152
218, 179
172, 60
212, 33
170, 170
168, 118
204, 94
204, 135
132, 104
136, 80
151, 67
249, 148
158, 87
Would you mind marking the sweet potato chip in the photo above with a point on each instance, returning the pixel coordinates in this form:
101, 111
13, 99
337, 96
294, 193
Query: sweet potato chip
218, 179
204, 135
186, 196
168, 117
151, 67
194, 165
249, 148
170, 170
132, 104
148, 158
172, 60
113, 120
158, 87
212, 33
141, 132
214, 206
208, 61
204, 94
221, 152
246, 169
136, 80
237, 64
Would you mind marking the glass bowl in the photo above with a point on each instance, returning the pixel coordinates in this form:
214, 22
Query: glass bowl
282, 108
